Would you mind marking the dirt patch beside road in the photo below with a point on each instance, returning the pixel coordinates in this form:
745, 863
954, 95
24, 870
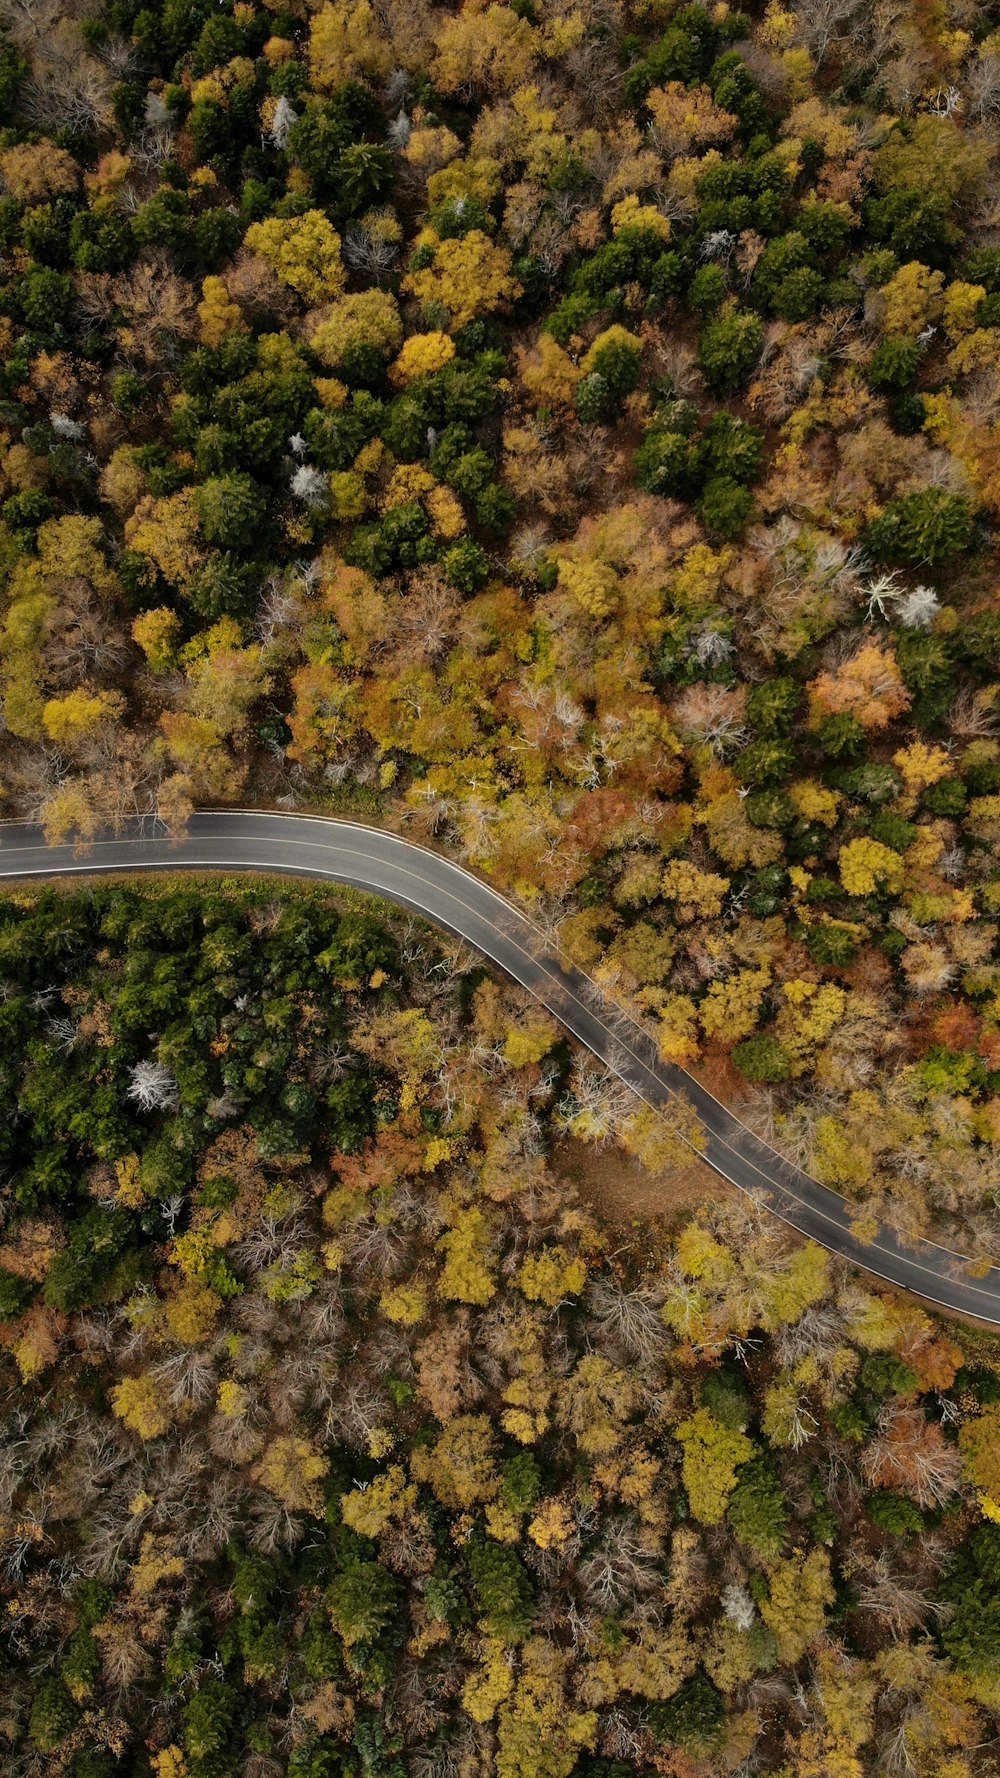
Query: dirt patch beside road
621, 1190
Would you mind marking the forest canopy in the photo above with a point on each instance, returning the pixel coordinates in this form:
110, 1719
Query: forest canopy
343, 1440
567, 433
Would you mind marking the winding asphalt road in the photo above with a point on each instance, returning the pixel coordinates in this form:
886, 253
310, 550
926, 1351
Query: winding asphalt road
430, 885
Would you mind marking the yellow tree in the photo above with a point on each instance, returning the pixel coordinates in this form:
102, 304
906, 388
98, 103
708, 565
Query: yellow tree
346, 43
539, 1733
801, 1591
460, 1466
303, 251
867, 867
730, 1008
71, 719
367, 318
140, 1404
468, 277
465, 1276
292, 1469
712, 1455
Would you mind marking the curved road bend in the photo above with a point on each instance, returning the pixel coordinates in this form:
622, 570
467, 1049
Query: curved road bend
442, 892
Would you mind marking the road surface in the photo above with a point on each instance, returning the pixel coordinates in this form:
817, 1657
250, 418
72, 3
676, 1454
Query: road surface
442, 892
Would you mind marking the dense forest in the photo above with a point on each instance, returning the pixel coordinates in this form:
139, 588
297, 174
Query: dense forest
342, 1441
569, 432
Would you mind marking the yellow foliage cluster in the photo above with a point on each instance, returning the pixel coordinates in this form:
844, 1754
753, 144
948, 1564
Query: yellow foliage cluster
467, 277
712, 1455
71, 718
548, 373
292, 1468
140, 1405
811, 1011
167, 530
921, 764
814, 802
912, 300
551, 1275
368, 318
527, 1398
421, 355
460, 1466
191, 1312
593, 585
465, 1277
687, 117
218, 317
157, 632
170, 1763
386, 1499
405, 1304
630, 213
66, 548
488, 47
867, 867
539, 1733
553, 1524
345, 43
697, 893
530, 1039
595, 1403
801, 1591
154, 1564
36, 171
729, 1009
677, 1030
303, 251
490, 1683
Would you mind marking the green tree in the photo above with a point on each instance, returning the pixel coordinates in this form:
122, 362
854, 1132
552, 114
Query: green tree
728, 350
210, 1717
362, 1602
692, 1719
921, 529
502, 1589
757, 1511
231, 510
762, 1059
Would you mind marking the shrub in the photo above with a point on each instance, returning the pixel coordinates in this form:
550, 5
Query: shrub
732, 448
664, 463
757, 1510
771, 706
15, 1295
615, 356
363, 1601
708, 290
893, 1513
592, 399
